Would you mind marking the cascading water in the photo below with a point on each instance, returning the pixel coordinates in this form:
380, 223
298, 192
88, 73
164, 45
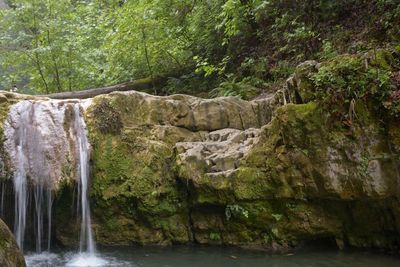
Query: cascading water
20, 190
27, 153
86, 240
87, 255
42, 138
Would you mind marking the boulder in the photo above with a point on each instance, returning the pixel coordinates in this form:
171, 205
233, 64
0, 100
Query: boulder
10, 255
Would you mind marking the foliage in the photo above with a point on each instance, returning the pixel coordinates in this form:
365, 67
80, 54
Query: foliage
354, 77
215, 236
235, 211
188, 84
51, 46
276, 216
235, 15
246, 89
148, 39
328, 50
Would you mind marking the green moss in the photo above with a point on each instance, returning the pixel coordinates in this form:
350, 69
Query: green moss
135, 195
212, 189
4, 109
251, 183
394, 134
383, 58
304, 85
299, 182
106, 118
68, 226
397, 48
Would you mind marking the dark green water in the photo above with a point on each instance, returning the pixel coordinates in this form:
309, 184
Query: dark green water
218, 257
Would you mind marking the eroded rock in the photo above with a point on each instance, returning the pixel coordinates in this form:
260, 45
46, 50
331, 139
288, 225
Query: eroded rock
221, 151
180, 169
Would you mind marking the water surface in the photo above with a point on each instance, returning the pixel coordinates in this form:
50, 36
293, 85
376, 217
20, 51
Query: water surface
195, 256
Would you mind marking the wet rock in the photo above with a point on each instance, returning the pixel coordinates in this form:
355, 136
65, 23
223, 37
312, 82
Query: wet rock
40, 139
10, 255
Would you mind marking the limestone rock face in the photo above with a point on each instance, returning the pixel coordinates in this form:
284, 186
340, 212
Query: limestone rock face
180, 169
40, 140
193, 113
220, 152
10, 255
270, 173
300, 89
141, 145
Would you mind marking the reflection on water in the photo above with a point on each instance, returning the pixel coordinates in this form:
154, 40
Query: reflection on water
194, 256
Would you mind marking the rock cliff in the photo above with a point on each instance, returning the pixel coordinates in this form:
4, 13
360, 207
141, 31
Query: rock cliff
270, 173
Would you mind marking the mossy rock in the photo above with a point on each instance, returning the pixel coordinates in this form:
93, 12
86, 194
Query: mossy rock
5, 104
10, 255
136, 198
303, 180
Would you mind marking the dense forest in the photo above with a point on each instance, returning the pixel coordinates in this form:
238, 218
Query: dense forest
201, 47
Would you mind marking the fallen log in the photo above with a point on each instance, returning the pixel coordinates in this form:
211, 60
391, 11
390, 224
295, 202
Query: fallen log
146, 84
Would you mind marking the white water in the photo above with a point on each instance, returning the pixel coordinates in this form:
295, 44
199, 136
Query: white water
43, 207
20, 191
86, 260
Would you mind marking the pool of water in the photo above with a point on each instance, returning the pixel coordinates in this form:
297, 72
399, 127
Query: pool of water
211, 257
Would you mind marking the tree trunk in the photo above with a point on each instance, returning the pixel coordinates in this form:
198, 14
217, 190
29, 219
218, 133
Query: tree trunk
146, 53
138, 85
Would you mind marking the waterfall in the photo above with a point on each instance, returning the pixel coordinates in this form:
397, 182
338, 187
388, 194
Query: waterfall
87, 255
20, 204
43, 206
86, 237
42, 138
27, 137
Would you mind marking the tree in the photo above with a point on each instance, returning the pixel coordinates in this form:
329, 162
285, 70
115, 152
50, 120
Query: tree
146, 39
53, 46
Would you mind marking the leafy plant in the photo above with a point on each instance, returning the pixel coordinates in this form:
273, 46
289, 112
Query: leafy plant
358, 77
276, 216
54, 46
235, 211
328, 50
215, 236
245, 89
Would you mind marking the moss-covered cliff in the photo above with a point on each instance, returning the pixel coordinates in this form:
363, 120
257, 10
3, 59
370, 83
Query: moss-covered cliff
179, 169
317, 160
137, 194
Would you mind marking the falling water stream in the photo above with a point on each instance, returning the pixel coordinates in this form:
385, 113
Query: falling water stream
41, 193
87, 254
